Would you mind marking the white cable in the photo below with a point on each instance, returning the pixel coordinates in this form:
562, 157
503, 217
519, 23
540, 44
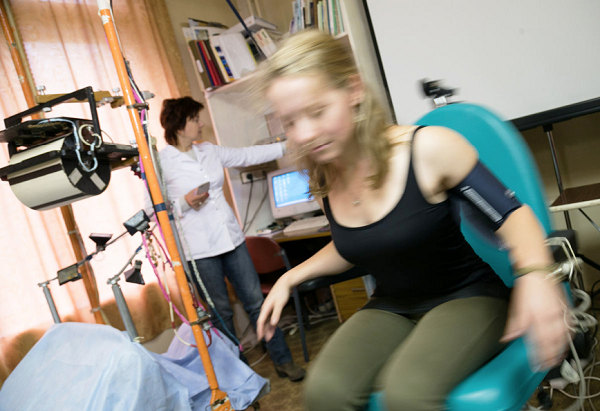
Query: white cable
98, 141
584, 320
195, 268
578, 404
579, 318
587, 397
259, 360
77, 145
564, 243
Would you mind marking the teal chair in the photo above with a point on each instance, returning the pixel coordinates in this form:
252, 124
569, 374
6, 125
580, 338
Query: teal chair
506, 382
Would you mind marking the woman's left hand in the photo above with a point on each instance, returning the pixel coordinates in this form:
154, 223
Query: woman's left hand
537, 309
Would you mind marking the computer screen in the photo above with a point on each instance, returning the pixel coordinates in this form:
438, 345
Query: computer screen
288, 193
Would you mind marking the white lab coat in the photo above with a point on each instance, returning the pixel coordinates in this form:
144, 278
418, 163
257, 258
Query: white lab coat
213, 229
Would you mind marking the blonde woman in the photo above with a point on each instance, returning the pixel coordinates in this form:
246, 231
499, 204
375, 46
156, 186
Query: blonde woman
439, 312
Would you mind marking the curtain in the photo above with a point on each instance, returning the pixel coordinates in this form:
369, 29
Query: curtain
67, 50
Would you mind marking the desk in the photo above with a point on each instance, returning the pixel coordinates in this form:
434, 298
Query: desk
301, 235
577, 197
574, 198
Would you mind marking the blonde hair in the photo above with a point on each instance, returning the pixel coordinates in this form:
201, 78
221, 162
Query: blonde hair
312, 52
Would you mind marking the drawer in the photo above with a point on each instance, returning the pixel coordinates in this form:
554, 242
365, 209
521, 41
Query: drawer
348, 296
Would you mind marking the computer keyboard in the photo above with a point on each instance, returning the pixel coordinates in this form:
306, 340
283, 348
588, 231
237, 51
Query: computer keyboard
306, 224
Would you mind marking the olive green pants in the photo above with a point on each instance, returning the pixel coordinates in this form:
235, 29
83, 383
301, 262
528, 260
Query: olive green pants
415, 360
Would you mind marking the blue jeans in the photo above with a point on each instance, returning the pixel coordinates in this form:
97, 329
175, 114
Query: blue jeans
237, 266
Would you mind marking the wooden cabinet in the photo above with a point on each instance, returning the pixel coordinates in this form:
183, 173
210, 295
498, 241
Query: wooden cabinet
349, 297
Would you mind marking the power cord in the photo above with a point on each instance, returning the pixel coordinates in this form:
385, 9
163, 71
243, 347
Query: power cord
251, 178
575, 317
257, 210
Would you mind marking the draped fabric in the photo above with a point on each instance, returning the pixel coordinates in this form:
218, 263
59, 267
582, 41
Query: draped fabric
67, 50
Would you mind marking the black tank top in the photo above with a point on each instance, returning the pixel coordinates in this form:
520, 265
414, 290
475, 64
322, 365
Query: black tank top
417, 254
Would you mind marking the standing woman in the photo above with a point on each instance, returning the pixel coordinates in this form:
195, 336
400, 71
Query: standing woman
216, 242
439, 312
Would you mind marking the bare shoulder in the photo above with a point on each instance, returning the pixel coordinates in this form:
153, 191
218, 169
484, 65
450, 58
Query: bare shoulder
446, 153
442, 142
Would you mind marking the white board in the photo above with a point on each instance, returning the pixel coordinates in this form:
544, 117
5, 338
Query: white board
518, 57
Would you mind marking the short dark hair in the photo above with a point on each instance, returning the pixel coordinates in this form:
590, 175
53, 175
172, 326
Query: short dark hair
174, 115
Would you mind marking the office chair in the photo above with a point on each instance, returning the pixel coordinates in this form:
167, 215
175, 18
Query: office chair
268, 257
506, 382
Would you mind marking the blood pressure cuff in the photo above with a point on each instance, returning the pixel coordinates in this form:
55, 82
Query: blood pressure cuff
484, 201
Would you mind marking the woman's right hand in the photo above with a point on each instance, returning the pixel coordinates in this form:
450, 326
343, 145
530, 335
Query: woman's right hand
270, 313
195, 200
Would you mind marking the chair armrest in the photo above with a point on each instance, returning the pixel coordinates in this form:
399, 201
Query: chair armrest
326, 281
503, 384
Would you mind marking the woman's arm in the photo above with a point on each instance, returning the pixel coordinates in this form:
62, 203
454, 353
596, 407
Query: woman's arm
537, 305
249, 156
325, 262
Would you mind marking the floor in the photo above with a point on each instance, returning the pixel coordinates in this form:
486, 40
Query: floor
287, 396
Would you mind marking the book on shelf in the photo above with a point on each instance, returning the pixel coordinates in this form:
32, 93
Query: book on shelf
320, 15
197, 59
297, 23
201, 53
210, 62
209, 70
237, 53
254, 24
221, 56
265, 42
202, 23
325, 15
194, 33
221, 59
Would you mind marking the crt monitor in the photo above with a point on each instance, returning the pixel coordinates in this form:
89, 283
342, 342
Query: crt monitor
288, 193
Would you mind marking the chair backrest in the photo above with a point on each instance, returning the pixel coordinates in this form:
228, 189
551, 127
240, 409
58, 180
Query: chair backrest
502, 149
265, 254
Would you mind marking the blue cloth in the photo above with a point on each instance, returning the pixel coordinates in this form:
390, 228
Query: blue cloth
241, 384
237, 266
90, 367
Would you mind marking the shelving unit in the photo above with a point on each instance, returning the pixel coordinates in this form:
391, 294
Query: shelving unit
239, 121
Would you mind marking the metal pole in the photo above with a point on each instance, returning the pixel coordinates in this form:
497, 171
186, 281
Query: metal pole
548, 129
124, 310
50, 300
219, 400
